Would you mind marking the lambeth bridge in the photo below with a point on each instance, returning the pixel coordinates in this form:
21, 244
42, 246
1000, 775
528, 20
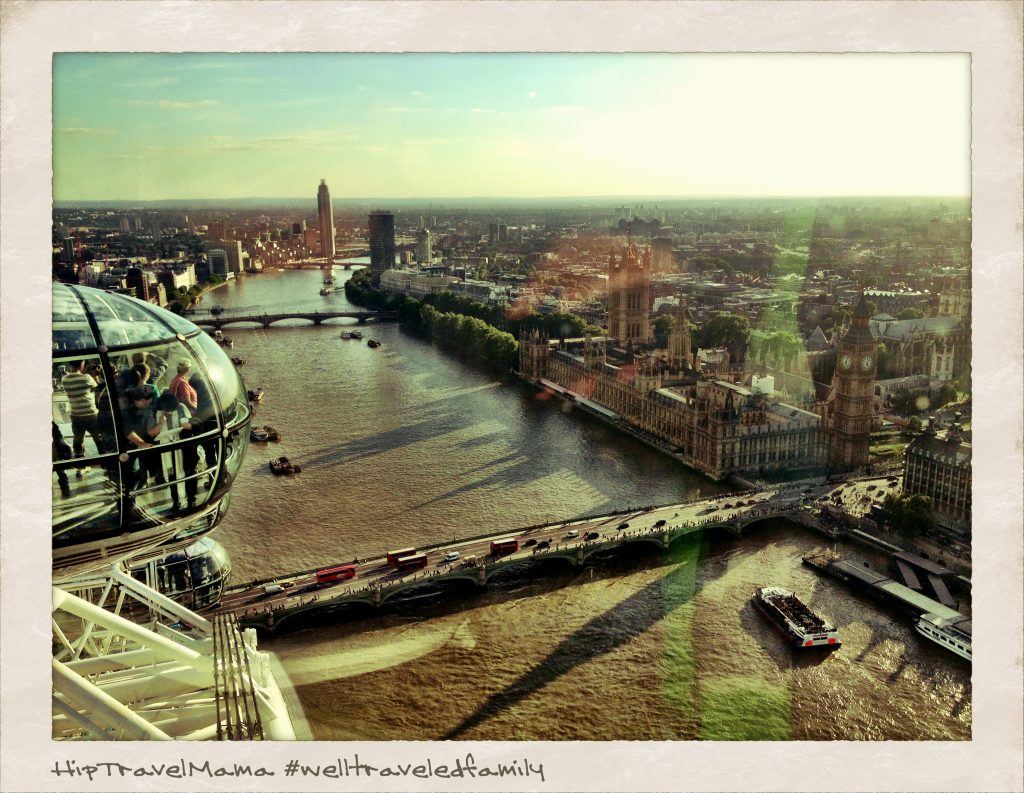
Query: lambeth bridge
266, 320
268, 603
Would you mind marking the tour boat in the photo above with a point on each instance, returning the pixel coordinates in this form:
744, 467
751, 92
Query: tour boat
258, 435
351, 334
798, 623
327, 290
373, 343
952, 633
255, 394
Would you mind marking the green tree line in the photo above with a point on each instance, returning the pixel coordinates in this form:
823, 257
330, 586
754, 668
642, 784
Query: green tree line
483, 331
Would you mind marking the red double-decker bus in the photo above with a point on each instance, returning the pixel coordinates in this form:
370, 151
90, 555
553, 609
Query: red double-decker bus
504, 545
414, 562
330, 575
394, 556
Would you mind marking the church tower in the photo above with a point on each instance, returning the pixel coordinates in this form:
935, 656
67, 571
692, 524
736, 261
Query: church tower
629, 296
853, 388
679, 342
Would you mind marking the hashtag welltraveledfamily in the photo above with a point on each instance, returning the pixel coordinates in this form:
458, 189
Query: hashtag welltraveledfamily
462, 768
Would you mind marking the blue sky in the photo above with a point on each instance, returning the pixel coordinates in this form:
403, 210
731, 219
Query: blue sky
153, 126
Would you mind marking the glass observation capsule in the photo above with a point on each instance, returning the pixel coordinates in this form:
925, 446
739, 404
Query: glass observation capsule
195, 576
150, 426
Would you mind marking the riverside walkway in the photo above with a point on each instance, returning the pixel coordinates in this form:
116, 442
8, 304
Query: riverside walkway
268, 603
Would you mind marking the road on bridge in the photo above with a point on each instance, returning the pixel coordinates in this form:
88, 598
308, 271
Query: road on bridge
569, 534
296, 590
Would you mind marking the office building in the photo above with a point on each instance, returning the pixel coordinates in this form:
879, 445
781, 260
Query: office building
326, 215
424, 248
382, 243
218, 262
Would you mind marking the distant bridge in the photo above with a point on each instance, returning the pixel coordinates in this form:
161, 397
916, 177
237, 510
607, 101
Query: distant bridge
266, 320
257, 605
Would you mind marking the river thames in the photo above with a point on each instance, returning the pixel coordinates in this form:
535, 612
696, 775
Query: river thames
405, 445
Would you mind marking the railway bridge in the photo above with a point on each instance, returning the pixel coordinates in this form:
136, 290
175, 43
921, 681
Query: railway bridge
269, 603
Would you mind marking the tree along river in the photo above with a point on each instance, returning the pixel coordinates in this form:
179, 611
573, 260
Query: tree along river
406, 445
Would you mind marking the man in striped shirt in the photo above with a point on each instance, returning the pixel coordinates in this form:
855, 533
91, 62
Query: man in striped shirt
80, 388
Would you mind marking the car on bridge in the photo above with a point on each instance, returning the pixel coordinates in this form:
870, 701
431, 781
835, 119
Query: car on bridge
452, 556
571, 534
660, 523
591, 535
543, 544
622, 526
529, 542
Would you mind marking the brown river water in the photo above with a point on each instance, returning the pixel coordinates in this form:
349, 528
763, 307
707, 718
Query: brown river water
405, 445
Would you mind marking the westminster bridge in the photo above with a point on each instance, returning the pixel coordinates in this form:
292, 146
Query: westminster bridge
268, 603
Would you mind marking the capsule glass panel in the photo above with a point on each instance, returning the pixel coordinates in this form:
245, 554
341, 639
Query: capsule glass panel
70, 328
133, 473
82, 420
225, 380
124, 321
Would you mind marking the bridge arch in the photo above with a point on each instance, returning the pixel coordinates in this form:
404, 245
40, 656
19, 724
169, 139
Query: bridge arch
567, 555
317, 609
457, 579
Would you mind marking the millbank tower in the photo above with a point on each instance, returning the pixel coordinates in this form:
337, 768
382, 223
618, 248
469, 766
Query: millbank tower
326, 215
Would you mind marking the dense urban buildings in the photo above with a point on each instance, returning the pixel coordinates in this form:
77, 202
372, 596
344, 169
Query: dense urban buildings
325, 213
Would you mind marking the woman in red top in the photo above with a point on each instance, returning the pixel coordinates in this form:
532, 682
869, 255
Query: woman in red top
180, 387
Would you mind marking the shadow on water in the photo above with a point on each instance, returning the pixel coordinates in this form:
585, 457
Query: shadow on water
446, 598
619, 625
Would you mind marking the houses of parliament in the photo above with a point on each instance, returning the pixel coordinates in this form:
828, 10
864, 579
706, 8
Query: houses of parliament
717, 423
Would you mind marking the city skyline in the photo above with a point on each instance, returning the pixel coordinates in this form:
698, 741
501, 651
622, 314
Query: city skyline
182, 126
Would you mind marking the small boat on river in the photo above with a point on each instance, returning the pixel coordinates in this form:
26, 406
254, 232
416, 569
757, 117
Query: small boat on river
238, 361
351, 334
282, 466
263, 434
373, 343
255, 394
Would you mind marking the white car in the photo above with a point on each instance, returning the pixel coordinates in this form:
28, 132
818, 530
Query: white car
571, 533
451, 556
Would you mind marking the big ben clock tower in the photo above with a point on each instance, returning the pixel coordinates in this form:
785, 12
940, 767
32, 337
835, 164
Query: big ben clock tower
853, 394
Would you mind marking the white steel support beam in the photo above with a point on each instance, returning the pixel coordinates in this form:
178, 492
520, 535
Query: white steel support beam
80, 644
161, 603
119, 625
81, 720
104, 711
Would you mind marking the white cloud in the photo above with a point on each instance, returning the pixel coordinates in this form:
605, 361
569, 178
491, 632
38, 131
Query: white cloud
85, 131
173, 104
532, 94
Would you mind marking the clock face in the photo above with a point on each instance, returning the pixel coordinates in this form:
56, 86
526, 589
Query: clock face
866, 362
845, 362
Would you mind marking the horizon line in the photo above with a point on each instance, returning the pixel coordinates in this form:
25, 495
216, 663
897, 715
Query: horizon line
617, 196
